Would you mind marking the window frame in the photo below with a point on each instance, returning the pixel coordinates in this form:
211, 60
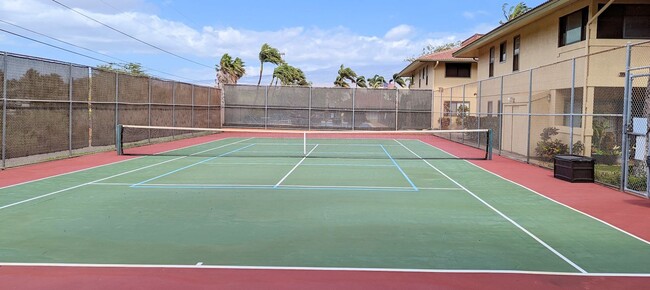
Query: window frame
618, 14
503, 51
491, 62
516, 50
458, 66
562, 29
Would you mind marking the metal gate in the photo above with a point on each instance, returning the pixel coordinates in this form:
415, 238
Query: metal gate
637, 111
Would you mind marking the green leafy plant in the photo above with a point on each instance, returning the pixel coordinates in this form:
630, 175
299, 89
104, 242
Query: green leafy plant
444, 122
548, 147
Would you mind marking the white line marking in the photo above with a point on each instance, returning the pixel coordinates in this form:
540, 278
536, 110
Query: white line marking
193, 164
347, 269
116, 162
294, 168
271, 185
548, 198
102, 179
547, 246
291, 164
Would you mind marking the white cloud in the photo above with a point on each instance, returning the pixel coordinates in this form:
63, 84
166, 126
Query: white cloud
399, 32
316, 50
474, 14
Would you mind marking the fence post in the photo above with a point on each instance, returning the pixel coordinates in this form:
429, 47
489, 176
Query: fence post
149, 107
573, 98
500, 113
354, 91
117, 99
173, 109
309, 112
530, 111
626, 118
396, 109
192, 114
433, 106
442, 108
478, 110
4, 110
266, 106
209, 105
70, 110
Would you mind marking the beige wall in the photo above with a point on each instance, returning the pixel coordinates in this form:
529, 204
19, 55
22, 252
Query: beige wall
539, 45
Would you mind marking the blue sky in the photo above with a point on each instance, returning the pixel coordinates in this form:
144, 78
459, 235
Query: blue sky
371, 37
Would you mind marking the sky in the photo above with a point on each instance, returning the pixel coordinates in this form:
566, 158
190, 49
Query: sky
371, 37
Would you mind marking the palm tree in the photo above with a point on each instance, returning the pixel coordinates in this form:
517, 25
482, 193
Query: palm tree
377, 81
268, 54
399, 80
361, 82
288, 75
229, 71
340, 82
514, 11
347, 73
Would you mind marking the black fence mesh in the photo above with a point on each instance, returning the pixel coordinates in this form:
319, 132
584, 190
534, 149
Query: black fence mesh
56, 110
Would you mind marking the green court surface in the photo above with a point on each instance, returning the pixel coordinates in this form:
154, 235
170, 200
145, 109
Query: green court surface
246, 205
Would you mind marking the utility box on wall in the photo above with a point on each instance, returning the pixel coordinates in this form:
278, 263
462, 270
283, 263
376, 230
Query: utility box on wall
573, 168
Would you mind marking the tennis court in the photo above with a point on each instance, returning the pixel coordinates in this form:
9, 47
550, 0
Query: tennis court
379, 202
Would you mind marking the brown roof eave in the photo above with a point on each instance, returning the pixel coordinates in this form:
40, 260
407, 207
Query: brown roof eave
471, 50
412, 67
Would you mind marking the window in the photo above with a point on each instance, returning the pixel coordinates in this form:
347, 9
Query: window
456, 109
499, 107
621, 21
490, 110
572, 27
577, 109
491, 72
425, 75
515, 53
502, 51
458, 70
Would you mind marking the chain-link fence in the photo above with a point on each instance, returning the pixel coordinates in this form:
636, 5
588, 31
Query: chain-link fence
326, 108
52, 109
637, 129
569, 107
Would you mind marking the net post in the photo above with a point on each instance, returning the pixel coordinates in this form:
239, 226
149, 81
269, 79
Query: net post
118, 139
488, 147
304, 143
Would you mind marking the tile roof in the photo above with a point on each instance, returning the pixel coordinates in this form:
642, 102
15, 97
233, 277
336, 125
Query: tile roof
447, 55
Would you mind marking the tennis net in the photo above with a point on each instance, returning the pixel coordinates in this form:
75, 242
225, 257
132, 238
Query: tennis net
232, 142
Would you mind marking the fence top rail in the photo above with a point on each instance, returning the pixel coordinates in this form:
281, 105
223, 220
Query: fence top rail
333, 88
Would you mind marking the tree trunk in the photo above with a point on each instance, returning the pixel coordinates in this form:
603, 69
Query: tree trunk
261, 70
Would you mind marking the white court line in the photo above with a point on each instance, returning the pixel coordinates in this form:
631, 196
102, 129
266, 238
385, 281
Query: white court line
343, 269
116, 162
106, 178
548, 198
547, 246
294, 168
271, 185
291, 164
326, 144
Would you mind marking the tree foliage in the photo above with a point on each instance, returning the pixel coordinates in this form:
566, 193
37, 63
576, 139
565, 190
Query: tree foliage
345, 73
430, 48
268, 54
361, 82
399, 80
513, 11
377, 81
229, 71
288, 75
132, 68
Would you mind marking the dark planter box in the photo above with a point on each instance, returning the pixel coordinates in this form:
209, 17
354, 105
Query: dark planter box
574, 168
